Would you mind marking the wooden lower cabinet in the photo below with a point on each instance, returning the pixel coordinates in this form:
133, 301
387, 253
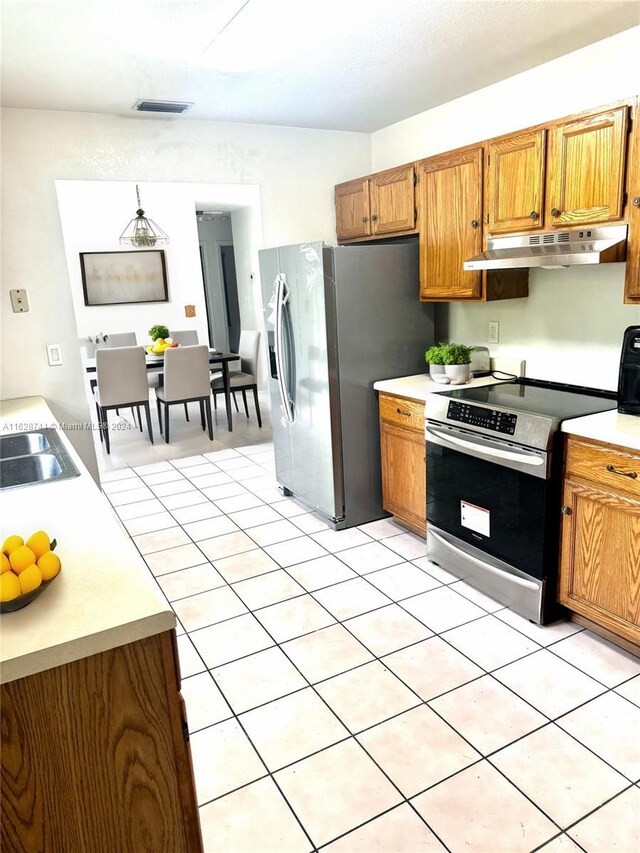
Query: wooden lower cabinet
95, 756
402, 458
600, 551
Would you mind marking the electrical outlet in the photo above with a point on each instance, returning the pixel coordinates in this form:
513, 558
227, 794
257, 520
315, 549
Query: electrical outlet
19, 301
494, 332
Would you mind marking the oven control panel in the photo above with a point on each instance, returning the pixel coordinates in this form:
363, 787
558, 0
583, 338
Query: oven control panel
465, 413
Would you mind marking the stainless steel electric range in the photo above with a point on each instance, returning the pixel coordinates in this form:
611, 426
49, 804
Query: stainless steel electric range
494, 471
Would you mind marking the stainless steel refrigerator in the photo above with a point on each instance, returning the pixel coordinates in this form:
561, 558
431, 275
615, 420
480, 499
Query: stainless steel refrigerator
338, 318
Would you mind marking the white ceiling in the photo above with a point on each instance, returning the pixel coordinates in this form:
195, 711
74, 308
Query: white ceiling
335, 64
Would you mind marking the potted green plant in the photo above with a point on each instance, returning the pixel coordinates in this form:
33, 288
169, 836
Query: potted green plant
457, 358
434, 357
158, 331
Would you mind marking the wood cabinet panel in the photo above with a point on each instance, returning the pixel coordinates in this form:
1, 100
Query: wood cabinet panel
610, 467
392, 200
600, 558
450, 198
92, 755
404, 475
586, 169
402, 412
515, 183
353, 215
632, 270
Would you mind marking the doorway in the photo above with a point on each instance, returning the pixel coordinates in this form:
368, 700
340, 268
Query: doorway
217, 258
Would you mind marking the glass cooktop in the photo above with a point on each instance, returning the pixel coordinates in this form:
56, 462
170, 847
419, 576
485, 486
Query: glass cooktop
538, 398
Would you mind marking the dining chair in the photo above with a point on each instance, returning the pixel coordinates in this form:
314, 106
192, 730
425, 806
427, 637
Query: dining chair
245, 379
122, 382
120, 339
186, 380
186, 337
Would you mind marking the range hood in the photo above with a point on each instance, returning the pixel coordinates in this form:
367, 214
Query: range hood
553, 249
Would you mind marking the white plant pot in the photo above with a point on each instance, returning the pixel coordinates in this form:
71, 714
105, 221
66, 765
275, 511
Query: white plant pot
436, 369
459, 374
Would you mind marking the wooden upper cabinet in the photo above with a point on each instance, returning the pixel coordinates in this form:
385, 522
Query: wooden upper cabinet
450, 210
353, 214
392, 200
632, 270
585, 169
515, 183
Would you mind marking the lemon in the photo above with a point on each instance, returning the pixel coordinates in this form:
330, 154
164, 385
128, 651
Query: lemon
9, 586
49, 565
30, 579
5, 565
11, 543
39, 543
21, 558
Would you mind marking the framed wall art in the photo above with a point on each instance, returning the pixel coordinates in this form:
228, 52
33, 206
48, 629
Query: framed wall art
124, 278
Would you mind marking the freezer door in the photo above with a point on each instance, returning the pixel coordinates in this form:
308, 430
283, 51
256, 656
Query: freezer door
274, 317
316, 456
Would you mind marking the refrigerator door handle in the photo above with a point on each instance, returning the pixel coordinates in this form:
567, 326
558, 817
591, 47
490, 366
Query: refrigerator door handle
281, 298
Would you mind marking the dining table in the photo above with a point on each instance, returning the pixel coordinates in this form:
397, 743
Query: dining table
154, 365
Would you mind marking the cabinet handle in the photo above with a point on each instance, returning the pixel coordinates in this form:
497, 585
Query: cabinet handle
474, 223
555, 211
374, 218
534, 214
365, 218
402, 412
566, 510
636, 201
613, 470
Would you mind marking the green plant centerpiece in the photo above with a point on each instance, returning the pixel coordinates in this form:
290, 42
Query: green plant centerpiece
457, 358
158, 331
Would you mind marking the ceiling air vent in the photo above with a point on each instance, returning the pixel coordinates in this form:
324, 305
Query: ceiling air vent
173, 107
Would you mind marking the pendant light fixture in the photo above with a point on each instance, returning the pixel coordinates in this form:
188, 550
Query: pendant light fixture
142, 232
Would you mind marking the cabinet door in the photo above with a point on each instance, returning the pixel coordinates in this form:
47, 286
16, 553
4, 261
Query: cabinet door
586, 169
392, 201
632, 270
404, 475
352, 209
516, 183
450, 232
600, 558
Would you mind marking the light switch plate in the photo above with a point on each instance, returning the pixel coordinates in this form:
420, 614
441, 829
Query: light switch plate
54, 354
19, 301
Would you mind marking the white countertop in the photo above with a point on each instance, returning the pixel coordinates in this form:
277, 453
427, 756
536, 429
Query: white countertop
419, 387
610, 427
104, 595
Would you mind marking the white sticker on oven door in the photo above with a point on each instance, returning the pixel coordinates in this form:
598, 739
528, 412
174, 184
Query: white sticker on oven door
475, 518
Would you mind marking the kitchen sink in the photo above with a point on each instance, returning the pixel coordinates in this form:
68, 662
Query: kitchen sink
22, 444
30, 458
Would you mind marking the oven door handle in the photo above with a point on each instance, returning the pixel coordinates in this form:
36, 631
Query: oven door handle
484, 448
486, 566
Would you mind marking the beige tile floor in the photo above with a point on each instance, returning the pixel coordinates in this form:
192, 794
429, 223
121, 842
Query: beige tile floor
346, 694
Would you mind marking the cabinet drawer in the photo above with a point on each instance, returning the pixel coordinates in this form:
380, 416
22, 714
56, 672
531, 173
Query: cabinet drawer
607, 466
406, 413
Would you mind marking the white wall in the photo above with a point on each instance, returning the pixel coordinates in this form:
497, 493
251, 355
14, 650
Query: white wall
296, 170
573, 318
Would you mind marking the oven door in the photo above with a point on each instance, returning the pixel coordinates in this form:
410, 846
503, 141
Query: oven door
489, 494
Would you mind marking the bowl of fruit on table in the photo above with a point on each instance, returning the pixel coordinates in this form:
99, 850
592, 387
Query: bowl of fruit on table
161, 341
27, 568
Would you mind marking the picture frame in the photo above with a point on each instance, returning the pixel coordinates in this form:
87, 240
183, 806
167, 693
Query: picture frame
124, 278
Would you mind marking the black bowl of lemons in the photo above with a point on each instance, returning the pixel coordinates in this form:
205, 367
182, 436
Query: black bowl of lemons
26, 569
